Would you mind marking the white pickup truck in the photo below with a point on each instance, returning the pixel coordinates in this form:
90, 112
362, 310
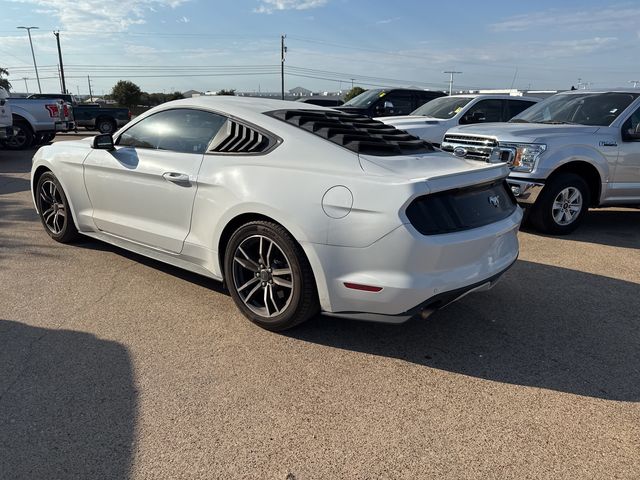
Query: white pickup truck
572, 151
37, 121
432, 120
6, 120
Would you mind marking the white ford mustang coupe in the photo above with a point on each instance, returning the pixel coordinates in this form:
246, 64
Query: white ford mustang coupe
298, 209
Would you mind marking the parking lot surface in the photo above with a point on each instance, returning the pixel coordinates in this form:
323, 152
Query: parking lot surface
116, 366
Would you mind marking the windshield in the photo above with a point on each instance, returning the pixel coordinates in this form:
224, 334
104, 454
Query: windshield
443, 107
594, 109
365, 98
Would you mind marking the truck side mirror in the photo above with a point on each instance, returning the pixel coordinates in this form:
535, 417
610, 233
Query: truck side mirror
103, 142
632, 134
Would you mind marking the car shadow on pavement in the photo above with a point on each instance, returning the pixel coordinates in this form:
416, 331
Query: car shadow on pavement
10, 185
612, 227
541, 326
67, 405
16, 161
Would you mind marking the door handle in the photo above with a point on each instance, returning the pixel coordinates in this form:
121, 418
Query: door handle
176, 177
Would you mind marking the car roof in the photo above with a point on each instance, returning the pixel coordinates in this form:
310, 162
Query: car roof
498, 96
602, 90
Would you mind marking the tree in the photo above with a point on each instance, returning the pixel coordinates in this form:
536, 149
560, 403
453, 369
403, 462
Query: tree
354, 92
231, 92
4, 82
126, 93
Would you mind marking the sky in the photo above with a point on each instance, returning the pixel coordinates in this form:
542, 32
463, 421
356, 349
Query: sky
169, 45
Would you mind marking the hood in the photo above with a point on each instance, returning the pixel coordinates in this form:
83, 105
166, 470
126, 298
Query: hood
522, 132
440, 170
409, 121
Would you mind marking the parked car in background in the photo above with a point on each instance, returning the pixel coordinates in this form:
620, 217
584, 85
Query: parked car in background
322, 101
216, 185
37, 121
431, 121
6, 119
571, 151
384, 102
93, 116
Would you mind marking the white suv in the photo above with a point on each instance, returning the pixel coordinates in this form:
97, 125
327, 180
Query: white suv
432, 120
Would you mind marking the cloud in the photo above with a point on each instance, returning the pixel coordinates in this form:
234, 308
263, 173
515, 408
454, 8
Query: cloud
387, 20
183, 19
97, 15
611, 18
269, 6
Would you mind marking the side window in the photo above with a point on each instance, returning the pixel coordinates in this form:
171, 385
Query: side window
484, 111
402, 103
631, 126
180, 130
516, 107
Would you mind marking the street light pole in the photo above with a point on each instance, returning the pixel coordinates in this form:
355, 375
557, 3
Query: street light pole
28, 29
451, 74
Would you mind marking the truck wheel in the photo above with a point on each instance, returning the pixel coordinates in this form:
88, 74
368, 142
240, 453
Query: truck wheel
562, 205
22, 136
106, 125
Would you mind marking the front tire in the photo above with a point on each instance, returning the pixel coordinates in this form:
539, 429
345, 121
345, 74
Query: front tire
269, 276
562, 205
53, 209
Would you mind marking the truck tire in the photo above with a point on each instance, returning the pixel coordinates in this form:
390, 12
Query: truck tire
106, 125
562, 205
22, 136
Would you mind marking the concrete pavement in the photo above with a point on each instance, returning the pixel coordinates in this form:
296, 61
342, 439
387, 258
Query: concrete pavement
116, 366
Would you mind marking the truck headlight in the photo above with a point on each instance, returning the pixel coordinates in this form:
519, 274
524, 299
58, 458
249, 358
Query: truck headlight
526, 156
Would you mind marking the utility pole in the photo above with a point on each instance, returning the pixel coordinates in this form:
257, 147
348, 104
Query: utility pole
26, 87
64, 85
451, 74
28, 29
90, 92
283, 50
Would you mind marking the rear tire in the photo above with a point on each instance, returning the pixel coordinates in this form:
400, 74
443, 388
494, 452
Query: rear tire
269, 276
106, 125
562, 205
53, 209
22, 136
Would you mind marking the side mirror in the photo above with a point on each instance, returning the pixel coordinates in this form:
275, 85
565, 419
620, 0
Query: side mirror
475, 117
632, 134
103, 142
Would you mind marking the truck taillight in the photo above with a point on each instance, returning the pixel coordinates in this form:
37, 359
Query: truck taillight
53, 109
129, 114
65, 110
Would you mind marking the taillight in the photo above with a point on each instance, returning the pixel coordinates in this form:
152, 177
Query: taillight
53, 109
65, 110
129, 114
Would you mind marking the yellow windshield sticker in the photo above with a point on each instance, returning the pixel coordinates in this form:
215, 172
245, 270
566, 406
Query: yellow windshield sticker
458, 109
382, 94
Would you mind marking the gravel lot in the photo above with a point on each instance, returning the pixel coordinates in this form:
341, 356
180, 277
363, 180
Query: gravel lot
115, 366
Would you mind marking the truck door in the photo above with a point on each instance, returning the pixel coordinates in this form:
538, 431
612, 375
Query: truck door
626, 176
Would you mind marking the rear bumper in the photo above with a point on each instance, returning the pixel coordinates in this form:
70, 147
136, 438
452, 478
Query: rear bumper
65, 126
525, 191
416, 272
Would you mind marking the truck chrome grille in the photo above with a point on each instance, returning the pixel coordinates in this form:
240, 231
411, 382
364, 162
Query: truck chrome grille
471, 147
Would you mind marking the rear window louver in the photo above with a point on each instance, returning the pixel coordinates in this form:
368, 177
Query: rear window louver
234, 137
355, 132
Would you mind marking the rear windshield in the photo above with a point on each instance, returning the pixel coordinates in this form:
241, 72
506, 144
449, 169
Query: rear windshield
365, 98
443, 107
594, 109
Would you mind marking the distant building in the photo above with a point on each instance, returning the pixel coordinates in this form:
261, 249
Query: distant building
191, 93
300, 92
